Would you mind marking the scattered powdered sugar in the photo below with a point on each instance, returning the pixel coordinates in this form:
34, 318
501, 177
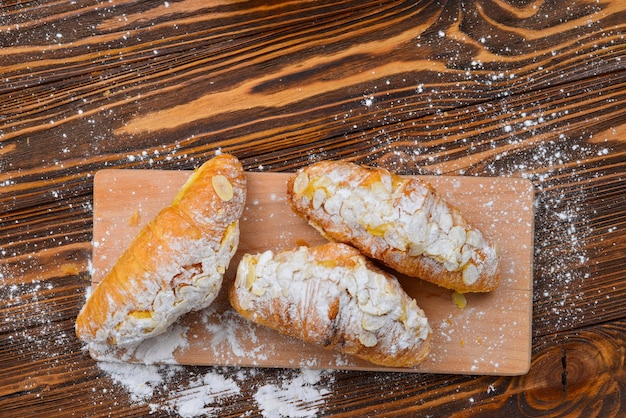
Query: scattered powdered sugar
200, 395
222, 328
138, 379
564, 220
295, 397
289, 393
163, 351
34, 325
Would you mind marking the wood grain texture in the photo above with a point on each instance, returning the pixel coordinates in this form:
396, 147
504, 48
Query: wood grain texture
484, 87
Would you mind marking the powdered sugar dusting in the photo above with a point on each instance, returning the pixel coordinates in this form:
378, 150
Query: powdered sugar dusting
290, 393
163, 350
563, 226
222, 328
294, 397
202, 394
138, 379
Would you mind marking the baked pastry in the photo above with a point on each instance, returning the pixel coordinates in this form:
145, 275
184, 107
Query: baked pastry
332, 296
175, 264
398, 220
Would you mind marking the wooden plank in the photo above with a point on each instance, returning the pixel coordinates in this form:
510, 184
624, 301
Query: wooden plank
492, 335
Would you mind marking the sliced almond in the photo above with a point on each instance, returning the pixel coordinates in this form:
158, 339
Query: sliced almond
368, 339
250, 276
470, 274
222, 187
372, 322
300, 183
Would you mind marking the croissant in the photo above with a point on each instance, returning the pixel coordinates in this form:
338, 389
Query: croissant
332, 296
175, 264
401, 221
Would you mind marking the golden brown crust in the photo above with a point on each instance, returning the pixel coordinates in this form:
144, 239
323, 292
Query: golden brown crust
401, 221
176, 262
332, 296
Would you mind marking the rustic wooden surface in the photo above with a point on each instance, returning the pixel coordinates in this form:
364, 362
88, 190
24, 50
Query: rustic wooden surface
526, 88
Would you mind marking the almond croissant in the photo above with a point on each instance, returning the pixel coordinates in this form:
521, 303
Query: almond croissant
398, 220
332, 296
175, 264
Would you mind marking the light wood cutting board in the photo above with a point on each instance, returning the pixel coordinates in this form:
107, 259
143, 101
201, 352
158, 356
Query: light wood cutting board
491, 335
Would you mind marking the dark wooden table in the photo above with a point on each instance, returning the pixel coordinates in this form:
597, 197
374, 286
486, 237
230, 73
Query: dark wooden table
533, 89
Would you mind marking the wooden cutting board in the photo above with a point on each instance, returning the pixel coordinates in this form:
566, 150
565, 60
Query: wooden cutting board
490, 335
